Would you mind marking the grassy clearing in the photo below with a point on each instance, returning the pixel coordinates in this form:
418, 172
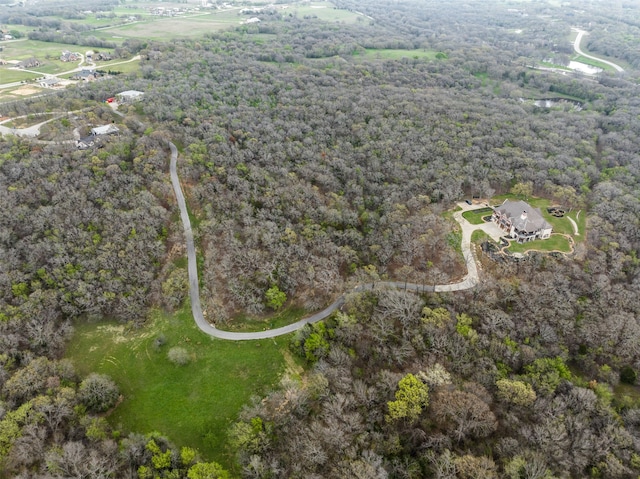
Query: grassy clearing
128, 67
325, 11
479, 236
163, 29
282, 318
193, 404
475, 216
43, 51
593, 63
10, 76
397, 54
555, 243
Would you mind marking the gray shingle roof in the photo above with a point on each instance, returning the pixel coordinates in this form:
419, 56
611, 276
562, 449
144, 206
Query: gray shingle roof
523, 216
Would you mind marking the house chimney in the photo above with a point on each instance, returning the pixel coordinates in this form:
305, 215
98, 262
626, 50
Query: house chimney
524, 215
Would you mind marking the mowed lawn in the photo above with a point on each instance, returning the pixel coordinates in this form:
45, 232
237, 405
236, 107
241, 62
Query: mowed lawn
193, 405
475, 216
555, 243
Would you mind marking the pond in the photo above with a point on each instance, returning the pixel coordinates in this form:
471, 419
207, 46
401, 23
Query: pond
584, 68
553, 102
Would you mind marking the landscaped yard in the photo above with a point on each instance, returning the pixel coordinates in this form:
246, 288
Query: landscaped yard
475, 216
192, 404
555, 243
560, 225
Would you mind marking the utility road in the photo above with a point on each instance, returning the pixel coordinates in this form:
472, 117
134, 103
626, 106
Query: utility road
576, 47
468, 282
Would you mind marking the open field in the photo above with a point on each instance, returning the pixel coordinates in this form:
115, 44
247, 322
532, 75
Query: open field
398, 54
166, 28
43, 51
9, 75
192, 404
325, 11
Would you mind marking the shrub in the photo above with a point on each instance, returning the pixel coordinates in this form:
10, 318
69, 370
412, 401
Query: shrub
179, 356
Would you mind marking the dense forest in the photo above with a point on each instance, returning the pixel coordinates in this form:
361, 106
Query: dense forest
313, 164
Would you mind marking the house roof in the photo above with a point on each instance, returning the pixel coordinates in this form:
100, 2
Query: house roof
104, 130
131, 94
50, 81
523, 216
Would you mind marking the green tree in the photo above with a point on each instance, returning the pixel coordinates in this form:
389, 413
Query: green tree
207, 470
412, 397
522, 190
545, 374
275, 298
438, 317
317, 346
516, 392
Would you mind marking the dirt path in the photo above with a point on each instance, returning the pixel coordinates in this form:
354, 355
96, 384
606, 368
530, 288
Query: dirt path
575, 227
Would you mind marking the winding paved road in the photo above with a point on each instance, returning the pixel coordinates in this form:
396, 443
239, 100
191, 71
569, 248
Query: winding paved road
468, 282
576, 47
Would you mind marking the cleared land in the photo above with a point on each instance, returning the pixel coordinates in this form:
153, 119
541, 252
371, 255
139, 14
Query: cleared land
397, 54
192, 404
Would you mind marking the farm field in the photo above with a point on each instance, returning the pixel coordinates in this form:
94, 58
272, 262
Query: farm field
165, 28
192, 404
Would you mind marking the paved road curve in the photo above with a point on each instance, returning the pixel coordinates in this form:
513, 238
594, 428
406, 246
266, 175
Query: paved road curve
468, 282
576, 47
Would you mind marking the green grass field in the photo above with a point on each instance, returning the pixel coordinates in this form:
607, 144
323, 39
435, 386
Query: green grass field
324, 11
594, 63
398, 54
555, 243
167, 28
10, 76
194, 404
475, 216
282, 318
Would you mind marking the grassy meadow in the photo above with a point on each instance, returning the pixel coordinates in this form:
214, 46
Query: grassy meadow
193, 404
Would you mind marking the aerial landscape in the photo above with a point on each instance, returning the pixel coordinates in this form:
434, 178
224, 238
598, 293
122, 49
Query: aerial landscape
319, 239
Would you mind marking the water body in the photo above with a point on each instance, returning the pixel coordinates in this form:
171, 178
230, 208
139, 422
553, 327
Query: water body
584, 68
553, 102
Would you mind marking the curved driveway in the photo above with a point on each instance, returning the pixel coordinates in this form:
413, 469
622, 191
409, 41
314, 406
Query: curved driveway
468, 282
576, 47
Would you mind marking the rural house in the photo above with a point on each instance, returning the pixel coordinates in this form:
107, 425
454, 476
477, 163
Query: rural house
130, 96
104, 130
49, 82
29, 63
68, 56
521, 221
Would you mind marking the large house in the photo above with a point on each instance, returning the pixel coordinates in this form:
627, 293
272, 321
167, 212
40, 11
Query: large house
521, 221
